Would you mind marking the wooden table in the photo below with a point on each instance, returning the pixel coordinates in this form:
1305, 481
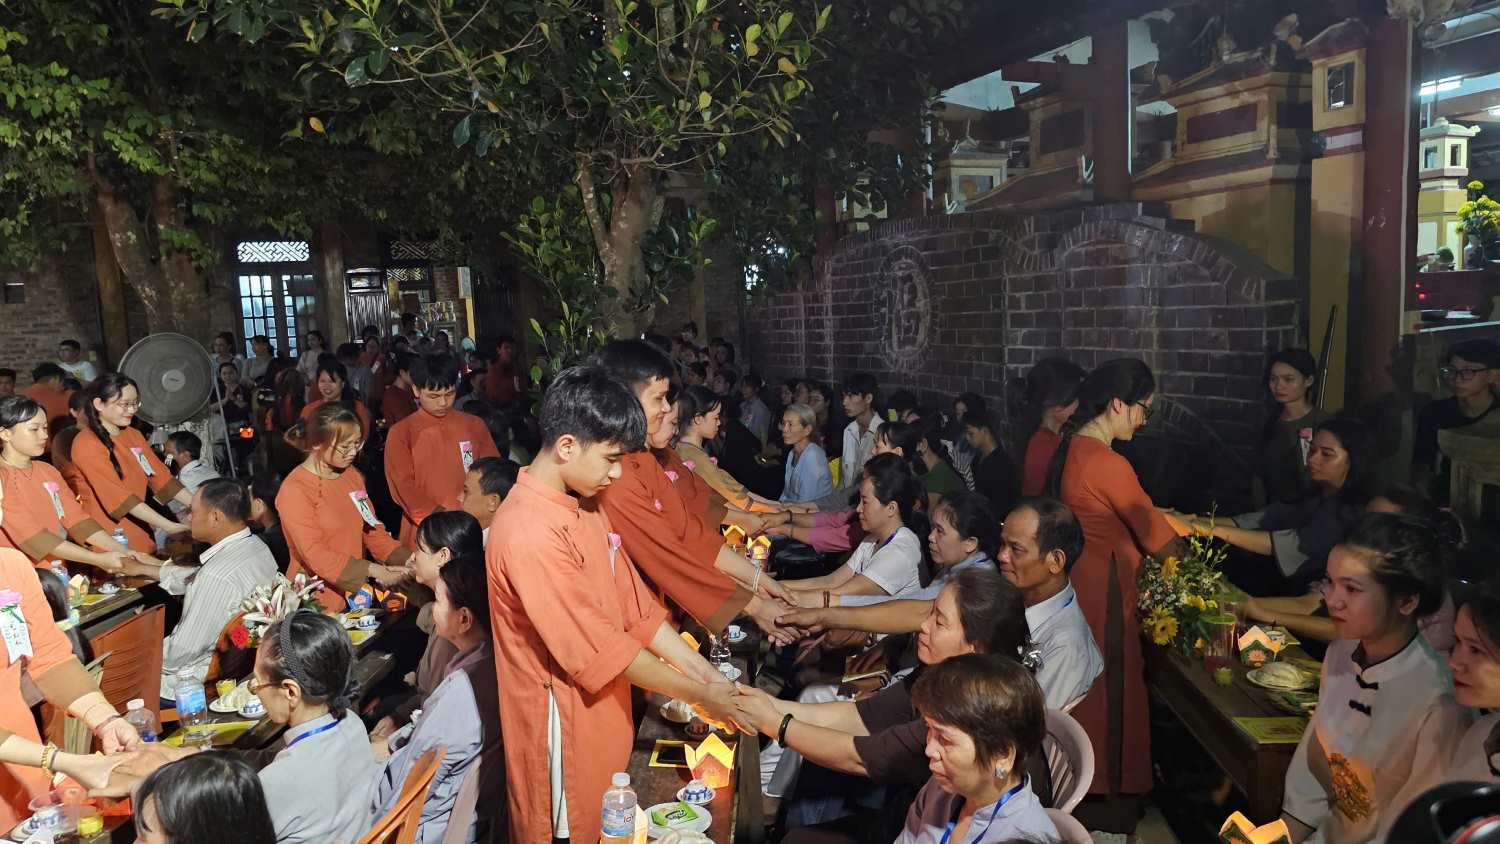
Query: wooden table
92, 614
1208, 711
735, 809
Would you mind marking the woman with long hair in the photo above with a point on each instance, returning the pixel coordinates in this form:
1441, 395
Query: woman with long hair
1120, 528
938, 475
314, 346
1051, 390
1299, 534
327, 515
119, 468
699, 416
333, 388
1286, 438
1385, 713
43, 518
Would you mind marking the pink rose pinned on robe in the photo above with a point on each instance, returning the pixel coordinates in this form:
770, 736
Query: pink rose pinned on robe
657, 504
671, 476
690, 466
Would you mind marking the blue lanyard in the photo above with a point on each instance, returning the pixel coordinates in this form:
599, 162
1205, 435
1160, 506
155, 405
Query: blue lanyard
959, 807
323, 729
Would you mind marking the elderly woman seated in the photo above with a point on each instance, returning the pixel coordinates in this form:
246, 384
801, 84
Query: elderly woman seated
881, 738
462, 714
984, 717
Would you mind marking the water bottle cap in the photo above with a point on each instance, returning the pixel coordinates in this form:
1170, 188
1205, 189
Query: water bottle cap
134, 704
620, 780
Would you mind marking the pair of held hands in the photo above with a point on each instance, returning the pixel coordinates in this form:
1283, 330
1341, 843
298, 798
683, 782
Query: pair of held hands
736, 706
125, 761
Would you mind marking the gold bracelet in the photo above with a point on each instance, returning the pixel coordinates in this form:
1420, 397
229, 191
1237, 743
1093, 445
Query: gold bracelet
49, 756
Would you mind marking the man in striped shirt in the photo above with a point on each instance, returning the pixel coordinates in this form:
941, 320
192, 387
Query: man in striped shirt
233, 565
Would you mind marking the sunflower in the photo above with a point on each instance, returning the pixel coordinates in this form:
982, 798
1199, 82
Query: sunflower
1169, 568
1163, 627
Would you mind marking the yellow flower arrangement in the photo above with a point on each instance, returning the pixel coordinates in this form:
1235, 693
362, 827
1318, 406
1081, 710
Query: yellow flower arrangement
1196, 603
1169, 568
1163, 627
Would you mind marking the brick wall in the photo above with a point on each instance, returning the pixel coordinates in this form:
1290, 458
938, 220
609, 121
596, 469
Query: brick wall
60, 302
941, 305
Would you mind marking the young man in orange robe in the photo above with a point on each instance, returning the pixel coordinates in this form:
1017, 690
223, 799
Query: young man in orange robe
684, 557
428, 454
574, 625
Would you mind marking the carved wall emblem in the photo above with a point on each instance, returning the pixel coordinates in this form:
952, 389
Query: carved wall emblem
903, 299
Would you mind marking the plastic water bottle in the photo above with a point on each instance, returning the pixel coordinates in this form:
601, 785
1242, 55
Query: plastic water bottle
61, 571
192, 701
618, 817
138, 716
120, 537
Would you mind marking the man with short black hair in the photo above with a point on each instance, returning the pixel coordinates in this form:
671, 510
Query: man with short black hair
861, 397
1039, 543
398, 401
1472, 372
70, 358
184, 453
47, 390
994, 473
503, 383
485, 486
7, 382
234, 564
442, 441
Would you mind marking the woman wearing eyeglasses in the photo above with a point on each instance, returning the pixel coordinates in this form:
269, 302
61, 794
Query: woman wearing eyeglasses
119, 468
327, 515
1120, 528
1472, 374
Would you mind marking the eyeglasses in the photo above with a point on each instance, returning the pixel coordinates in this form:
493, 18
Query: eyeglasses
349, 448
127, 405
254, 686
1146, 409
1453, 373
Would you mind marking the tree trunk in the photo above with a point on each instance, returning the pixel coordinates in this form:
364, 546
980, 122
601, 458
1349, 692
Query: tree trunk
170, 287
618, 240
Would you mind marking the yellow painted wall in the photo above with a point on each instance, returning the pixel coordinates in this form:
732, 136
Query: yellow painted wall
1259, 218
1337, 206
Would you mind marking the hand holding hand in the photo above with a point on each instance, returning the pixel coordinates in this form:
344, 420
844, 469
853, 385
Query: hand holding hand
805, 620
772, 590
755, 707
717, 706
97, 773
765, 618
116, 562
386, 575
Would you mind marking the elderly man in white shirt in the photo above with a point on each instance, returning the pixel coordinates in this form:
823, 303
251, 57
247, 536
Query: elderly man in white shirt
1040, 541
235, 563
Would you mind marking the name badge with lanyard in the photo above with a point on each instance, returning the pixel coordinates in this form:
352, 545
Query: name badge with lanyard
13, 626
361, 501
466, 452
54, 491
140, 457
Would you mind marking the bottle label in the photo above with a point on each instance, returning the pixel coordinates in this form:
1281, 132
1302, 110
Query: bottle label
191, 699
619, 822
148, 735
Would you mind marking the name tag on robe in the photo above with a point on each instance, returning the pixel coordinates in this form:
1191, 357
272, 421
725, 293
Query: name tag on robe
361, 501
466, 453
140, 457
54, 492
13, 626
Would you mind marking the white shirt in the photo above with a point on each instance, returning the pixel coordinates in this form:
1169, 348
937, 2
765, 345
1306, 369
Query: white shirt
1474, 756
212, 593
857, 449
1374, 729
192, 474
1071, 661
894, 566
83, 370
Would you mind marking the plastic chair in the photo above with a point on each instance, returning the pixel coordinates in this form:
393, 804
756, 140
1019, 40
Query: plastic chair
400, 824
1069, 830
1070, 758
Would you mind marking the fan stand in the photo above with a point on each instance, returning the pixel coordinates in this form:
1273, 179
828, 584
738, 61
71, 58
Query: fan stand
234, 471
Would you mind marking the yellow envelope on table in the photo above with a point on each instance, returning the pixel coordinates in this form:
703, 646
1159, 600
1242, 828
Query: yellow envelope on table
711, 761
1239, 830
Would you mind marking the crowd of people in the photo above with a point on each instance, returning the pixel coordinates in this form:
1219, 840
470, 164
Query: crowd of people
940, 582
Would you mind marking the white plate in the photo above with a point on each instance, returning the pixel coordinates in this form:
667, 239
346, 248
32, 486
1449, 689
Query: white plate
700, 824
1254, 676
676, 718
218, 705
